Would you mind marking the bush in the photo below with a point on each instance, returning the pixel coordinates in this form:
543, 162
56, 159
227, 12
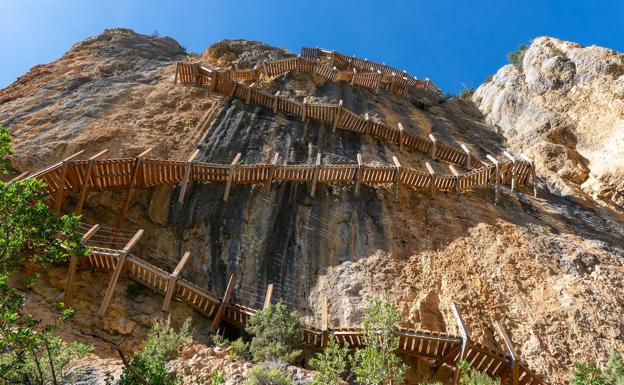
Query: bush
517, 56
592, 374
331, 365
616, 368
160, 347
276, 334
377, 362
470, 376
263, 375
217, 378
266, 81
219, 340
488, 79
467, 93
240, 349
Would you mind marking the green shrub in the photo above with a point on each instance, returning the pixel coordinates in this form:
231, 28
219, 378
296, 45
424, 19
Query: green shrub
276, 334
219, 340
616, 368
467, 93
517, 56
377, 362
589, 374
240, 349
331, 365
488, 78
217, 378
160, 347
263, 375
266, 81
470, 376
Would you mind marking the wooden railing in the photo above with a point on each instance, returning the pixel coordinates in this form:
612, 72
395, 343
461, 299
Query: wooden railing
365, 65
337, 116
114, 174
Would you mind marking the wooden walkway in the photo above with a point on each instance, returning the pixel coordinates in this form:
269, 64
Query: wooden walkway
337, 116
437, 347
80, 176
369, 72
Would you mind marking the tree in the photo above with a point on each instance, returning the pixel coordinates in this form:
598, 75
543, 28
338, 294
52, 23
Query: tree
30, 231
377, 363
276, 334
517, 56
149, 364
331, 364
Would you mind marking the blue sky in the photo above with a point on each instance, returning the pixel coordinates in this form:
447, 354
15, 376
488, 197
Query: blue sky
454, 43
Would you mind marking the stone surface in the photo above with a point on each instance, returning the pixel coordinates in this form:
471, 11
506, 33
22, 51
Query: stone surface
564, 107
550, 268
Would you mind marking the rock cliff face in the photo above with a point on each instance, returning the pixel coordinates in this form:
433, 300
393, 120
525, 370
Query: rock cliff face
551, 267
564, 106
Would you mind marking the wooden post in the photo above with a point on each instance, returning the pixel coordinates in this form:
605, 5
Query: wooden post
457, 176
248, 97
60, 193
497, 191
397, 180
353, 76
369, 124
434, 146
513, 169
85, 181
173, 279
315, 177
272, 171
268, 296
73, 263
275, 98
433, 177
230, 176
121, 259
358, 177
324, 321
304, 108
467, 151
213, 83
401, 136
175, 79
337, 116
465, 339
224, 303
138, 162
513, 355
533, 180
187, 174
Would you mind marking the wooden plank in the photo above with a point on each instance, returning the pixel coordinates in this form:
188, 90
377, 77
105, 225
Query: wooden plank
19, 177
173, 279
268, 296
401, 130
224, 303
117, 272
275, 99
304, 109
497, 191
187, 173
249, 89
85, 181
317, 170
513, 355
360, 170
230, 176
337, 116
73, 263
130, 188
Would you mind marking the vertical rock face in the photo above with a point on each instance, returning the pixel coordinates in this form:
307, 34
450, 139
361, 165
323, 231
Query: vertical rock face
564, 106
550, 268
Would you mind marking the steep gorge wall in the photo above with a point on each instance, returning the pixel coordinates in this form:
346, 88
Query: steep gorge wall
551, 269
